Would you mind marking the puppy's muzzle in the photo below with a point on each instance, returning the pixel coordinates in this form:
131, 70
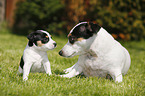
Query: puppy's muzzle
54, 44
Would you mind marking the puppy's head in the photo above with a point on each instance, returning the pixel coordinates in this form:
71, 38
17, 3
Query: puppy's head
80, 39
41, 40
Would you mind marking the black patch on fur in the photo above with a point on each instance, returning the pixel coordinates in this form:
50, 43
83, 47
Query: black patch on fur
85, 30
22, 62
72, 39
37, 36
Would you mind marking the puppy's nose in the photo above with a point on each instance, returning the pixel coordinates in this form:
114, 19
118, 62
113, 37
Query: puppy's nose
54, 44
60, 53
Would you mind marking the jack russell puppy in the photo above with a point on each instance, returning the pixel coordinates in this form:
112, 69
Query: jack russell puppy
99, 54
34, 57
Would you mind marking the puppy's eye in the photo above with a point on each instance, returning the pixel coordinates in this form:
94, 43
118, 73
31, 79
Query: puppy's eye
71, 39
45, 40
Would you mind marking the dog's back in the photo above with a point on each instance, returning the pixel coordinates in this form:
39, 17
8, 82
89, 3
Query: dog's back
126, 63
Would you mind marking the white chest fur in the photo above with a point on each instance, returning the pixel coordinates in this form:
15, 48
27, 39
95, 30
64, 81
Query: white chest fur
35, 58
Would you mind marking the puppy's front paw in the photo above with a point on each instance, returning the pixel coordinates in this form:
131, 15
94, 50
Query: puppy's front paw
25, 78
60, 75
49, 74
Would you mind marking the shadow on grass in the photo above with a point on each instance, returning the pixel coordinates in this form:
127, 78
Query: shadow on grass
58, 72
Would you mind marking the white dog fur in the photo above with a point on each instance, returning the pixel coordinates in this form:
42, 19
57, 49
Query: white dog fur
99, 56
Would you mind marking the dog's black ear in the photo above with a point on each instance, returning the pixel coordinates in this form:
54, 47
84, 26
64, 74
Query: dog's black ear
31, 39
94, 28
31, 36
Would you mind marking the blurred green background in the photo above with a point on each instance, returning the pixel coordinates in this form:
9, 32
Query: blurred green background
124, 19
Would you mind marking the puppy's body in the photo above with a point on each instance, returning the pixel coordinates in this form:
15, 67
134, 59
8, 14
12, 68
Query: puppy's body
34, 57
99, 54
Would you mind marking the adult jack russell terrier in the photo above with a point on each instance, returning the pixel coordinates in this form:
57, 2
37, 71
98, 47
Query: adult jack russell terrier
35, 58
99, 54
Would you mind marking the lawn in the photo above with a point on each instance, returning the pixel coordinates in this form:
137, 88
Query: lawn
40, 84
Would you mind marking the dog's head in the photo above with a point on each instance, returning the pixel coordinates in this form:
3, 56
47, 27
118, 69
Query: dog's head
80, 39
41, 40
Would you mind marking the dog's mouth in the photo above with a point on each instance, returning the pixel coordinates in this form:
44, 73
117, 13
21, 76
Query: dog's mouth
71, 55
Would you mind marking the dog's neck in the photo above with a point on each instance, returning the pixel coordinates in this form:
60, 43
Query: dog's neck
101, 43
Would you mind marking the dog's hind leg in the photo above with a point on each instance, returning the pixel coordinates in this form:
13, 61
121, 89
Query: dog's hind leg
117, 76
20, 71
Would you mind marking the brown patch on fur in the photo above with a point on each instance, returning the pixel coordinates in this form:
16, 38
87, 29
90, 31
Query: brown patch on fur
80, 39
46, 36
69, 35
39, 43
89, 26
91, 54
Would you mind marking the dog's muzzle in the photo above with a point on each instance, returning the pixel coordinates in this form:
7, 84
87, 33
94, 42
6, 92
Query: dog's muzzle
61, 53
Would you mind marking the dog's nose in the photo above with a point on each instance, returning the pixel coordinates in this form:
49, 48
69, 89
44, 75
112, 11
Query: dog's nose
54, 44
60, 53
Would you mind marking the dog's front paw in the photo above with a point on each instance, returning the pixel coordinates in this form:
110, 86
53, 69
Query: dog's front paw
60, 75
67, 70
65, 76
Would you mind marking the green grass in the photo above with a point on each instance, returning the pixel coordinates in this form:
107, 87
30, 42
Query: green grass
39, 84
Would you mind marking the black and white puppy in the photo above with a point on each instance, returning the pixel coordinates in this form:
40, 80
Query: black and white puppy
34, 57
99, 54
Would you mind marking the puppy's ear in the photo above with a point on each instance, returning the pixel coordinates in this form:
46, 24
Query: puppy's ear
31, 39
94, 28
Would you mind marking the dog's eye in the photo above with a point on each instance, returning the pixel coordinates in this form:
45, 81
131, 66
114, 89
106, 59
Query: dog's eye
71, 39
